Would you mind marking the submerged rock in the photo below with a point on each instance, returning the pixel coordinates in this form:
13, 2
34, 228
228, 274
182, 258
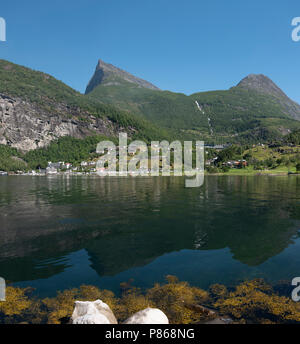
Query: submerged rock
219, 321
150, 316
96, 312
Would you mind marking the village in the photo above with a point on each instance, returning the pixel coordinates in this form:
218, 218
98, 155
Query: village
218, 158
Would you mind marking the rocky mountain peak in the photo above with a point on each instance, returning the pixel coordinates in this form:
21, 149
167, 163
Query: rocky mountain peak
262, 84
107, 74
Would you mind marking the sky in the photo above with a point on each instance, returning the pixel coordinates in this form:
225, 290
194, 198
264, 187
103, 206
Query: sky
183, 46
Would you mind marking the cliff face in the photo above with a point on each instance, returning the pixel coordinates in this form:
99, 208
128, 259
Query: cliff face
26, 126
106, 74
36, 108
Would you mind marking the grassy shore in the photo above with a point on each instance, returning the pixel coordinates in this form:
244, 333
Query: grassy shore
250, 171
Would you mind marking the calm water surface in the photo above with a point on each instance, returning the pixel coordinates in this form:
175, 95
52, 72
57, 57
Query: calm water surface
61, 232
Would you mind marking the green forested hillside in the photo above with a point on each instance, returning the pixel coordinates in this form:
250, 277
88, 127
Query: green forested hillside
10, 159
67, 149
239, 115
238, 110
224, 116
174, 111
294, 137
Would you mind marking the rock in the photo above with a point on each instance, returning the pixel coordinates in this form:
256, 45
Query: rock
106, 75
96, 312
26, 125
219, 321
150, 316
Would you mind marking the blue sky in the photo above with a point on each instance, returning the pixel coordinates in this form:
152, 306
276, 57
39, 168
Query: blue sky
183, 46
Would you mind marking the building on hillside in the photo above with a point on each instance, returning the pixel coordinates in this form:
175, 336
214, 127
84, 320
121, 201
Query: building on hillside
56, 165
67, 165
210, 162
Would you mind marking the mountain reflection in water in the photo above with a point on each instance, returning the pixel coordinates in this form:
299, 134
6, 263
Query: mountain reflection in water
60, 232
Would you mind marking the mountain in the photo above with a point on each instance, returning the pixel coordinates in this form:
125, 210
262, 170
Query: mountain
39, 111
262, 84
36, 109
254, 110
107, 75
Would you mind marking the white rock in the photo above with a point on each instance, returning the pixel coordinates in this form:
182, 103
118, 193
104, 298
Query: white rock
150, 316
96, 312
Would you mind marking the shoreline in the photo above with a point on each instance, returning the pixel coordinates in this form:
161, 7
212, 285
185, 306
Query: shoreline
94, 174
182, 302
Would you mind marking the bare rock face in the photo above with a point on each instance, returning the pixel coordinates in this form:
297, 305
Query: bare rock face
96, 312
106, 74
261, 83
27, 126
150, 316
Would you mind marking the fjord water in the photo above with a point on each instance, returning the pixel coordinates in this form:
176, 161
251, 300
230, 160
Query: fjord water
61, 232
